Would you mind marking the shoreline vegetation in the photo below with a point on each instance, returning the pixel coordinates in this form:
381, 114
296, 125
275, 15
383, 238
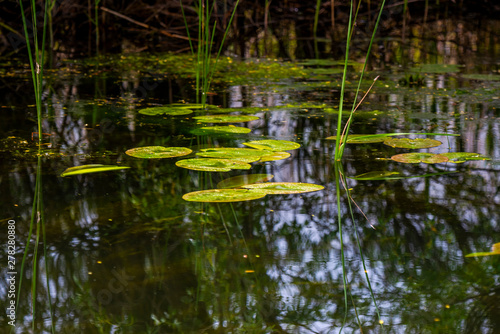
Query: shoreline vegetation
283, 29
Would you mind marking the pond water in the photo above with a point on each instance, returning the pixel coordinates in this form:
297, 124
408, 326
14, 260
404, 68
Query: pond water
123, 252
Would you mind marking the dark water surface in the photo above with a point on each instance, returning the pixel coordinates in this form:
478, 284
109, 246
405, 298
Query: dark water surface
126, 254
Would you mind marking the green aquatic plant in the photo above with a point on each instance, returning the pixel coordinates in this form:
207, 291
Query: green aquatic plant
388, 175
158, 152
275, 188
495, 250
460, 157
341, 138
412, 143
414, 158
213, 165
225, 118
250, 192
436, 68
273, 145
171, 111
94, 168
205, 67
222, 195
242, 154
221, 129
36, 62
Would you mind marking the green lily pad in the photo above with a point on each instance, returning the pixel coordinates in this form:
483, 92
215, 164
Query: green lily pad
172, 111
363, 139
436, 68
192, 106
241, 180
245, 110
158, 152
212, 165
495, 250
86, 169
413, 158
482, 77
275, 156
222, 195
459, 157
283, 187
273, 145
240, 154
375, 175
412, 143
225, 118
209, 130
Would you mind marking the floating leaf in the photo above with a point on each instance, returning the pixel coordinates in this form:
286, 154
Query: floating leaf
222, 195
412, 143
240, 154
275, 156
495, 250
172, 111
240, 180
284, 187
225, 118
244, 110
208, 130
482, 77
191, 106
413, 158
212, 165
378, 138
375, 175
459, 157
86, 169
273, 145
158, 152
363, 139
436, 68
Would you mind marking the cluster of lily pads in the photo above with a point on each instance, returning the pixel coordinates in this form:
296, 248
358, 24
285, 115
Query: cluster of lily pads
224, 159
409, 143
218, 159
415, 143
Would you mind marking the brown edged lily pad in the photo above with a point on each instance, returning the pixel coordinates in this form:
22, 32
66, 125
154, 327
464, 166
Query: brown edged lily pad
459, 157
211, 130
273, 145
158, 152
172, 111
241, 154
412, 143
413, 158
283, 187
222, 195
225, 118
212, 165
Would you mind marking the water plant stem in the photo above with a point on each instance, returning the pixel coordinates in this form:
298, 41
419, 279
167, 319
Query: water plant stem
205, 67
340, 149
37, 217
